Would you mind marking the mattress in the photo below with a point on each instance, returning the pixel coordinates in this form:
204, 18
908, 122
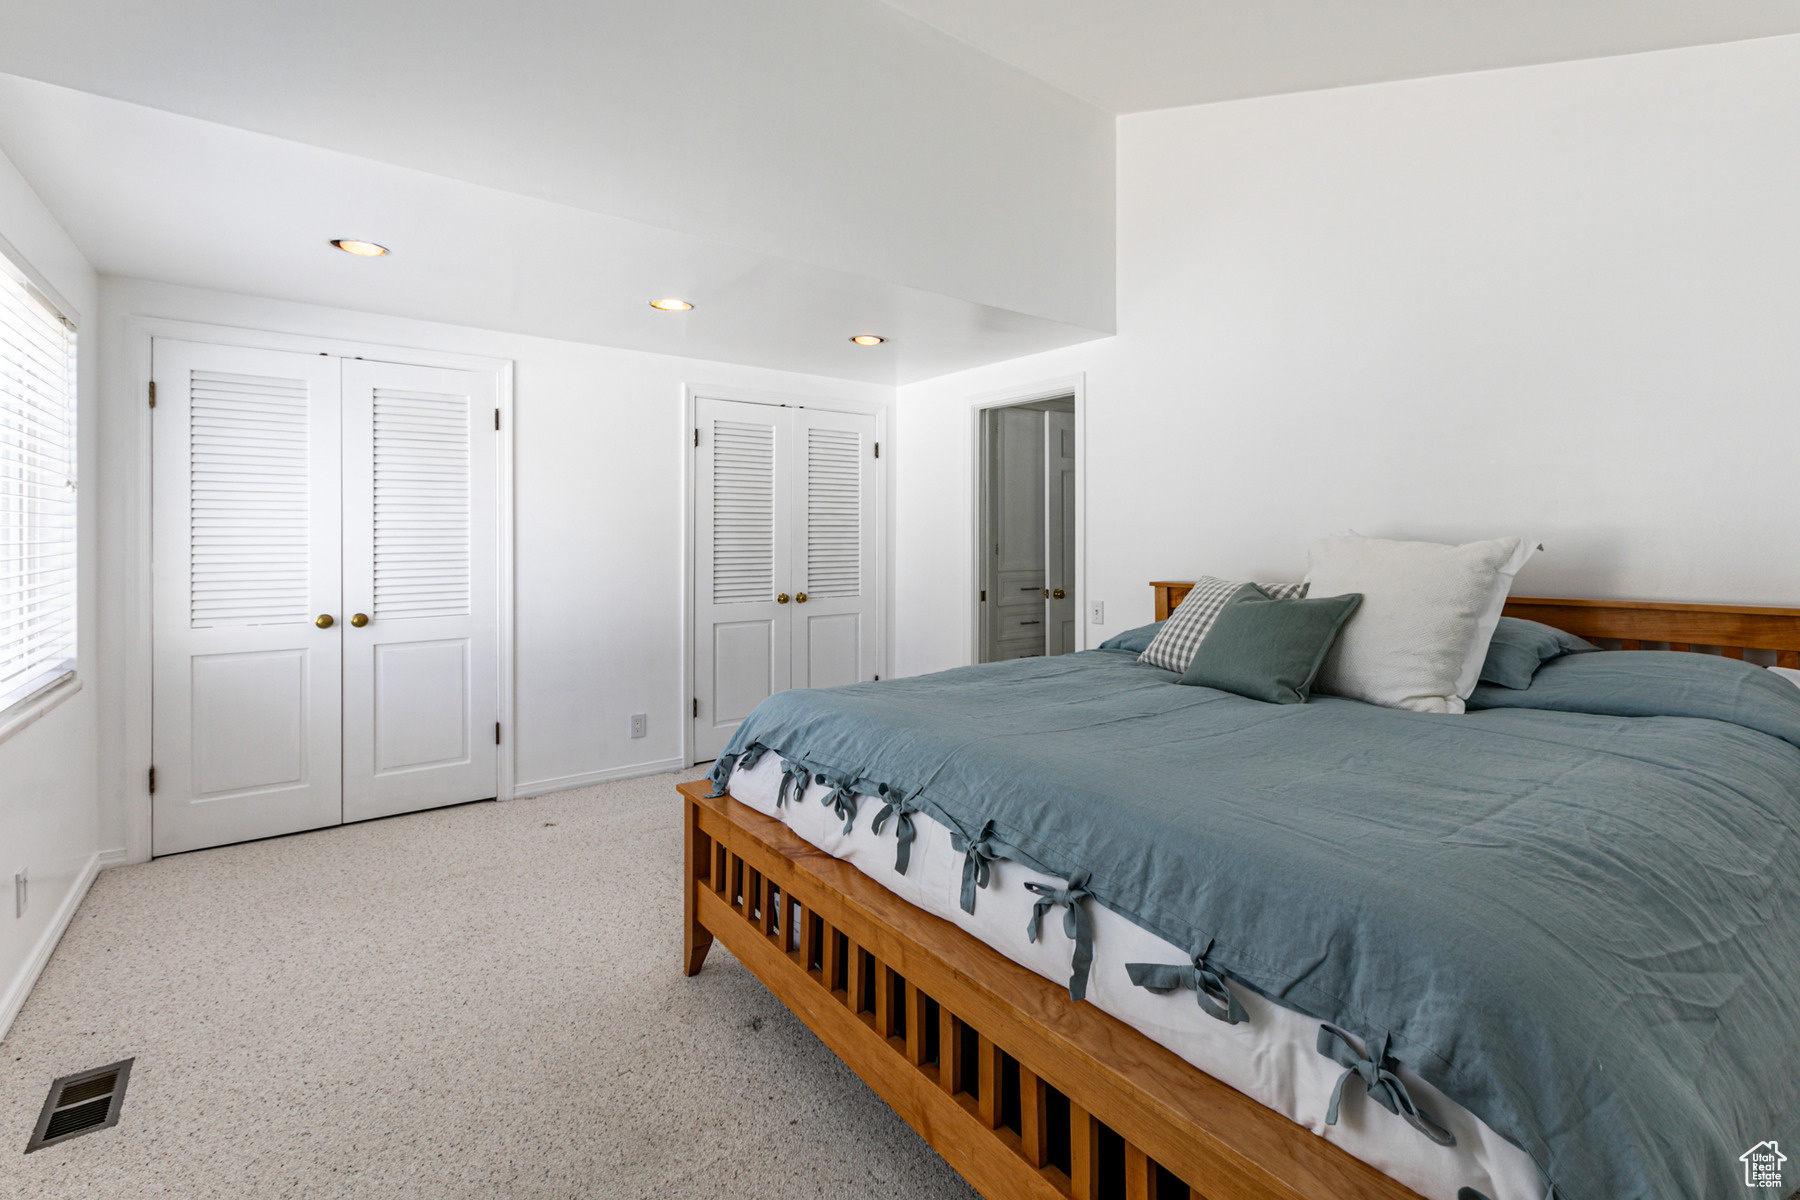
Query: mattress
1271, 1057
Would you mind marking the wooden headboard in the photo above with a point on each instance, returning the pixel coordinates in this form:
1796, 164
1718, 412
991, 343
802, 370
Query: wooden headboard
1635, 624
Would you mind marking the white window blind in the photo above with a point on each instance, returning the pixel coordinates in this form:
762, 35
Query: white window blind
37, 492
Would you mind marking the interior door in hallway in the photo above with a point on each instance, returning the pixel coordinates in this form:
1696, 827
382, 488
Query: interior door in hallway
1059, 533
1015, 513
245, 590
421, 590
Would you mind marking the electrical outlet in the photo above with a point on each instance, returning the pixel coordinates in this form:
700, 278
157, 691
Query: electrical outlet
1096, 612
21, 885
639, 724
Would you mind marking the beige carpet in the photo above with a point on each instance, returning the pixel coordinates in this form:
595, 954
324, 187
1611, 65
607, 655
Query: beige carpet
483, 1001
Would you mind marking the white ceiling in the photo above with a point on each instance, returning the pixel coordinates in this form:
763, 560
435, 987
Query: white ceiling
837, 133
1129, 56
153, 195
801, 169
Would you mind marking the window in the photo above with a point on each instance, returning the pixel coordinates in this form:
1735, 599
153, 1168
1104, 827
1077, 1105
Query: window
37, 491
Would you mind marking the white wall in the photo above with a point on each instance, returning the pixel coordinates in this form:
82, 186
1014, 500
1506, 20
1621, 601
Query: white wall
1557, 300
600, 436
48, 822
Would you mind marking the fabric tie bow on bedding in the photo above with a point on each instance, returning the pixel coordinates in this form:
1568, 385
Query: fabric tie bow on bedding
727, 763
1075, 923
902, 811
1384, 1086
978, 854
840, 800
1215, 999
794, 776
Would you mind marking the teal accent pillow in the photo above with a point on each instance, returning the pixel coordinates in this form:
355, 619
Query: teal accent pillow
1520, 647
1134, 640
1269, 649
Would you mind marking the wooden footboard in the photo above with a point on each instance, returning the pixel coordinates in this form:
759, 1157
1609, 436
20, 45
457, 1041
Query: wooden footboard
1026, 1093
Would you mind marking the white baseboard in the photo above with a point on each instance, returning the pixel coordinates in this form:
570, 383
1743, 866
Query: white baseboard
116, 857
13, 999
563, 783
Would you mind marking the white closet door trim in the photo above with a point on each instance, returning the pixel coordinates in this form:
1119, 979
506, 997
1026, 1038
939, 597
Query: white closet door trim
126, 758
691, 395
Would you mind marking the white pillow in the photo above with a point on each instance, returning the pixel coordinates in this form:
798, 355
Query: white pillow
1418, 639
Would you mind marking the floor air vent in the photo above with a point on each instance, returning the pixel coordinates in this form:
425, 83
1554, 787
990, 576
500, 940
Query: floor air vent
81, 1103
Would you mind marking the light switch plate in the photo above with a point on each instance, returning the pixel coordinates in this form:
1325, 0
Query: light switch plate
1096, 612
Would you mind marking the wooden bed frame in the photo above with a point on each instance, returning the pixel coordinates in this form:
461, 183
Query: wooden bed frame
1635, 624
1029, 1095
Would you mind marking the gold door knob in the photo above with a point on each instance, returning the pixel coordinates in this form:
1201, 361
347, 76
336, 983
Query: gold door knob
799, 597
361, 619
781, 597
1058, 594
325, 621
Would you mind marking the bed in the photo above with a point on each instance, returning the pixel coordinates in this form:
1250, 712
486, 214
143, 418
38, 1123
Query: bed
1024, 1091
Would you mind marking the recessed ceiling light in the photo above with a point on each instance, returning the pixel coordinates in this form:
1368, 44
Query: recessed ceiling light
670, 304
364, 249
867, 339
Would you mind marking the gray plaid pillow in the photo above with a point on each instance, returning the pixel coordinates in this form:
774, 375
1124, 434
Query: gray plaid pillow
1173, 647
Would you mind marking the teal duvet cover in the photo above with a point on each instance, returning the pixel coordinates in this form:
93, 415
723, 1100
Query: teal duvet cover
1578, 914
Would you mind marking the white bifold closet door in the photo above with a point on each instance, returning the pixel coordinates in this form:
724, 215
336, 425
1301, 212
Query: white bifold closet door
785, 550
421, 674
293, 492
247, 458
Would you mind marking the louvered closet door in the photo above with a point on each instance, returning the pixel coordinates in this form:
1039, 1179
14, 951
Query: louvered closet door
742, 538
421, 686
245, 557
834, 639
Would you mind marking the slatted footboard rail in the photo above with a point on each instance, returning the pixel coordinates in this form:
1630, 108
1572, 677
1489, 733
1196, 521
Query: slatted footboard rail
1029, 1095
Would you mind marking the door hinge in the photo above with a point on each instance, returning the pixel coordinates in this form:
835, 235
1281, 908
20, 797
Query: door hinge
878, 679
696, 435
153, 393
496, 733
984, 595
496, 418
696, 706
153, 781
877, 449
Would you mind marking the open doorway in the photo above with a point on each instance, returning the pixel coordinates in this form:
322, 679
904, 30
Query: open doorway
1028, 518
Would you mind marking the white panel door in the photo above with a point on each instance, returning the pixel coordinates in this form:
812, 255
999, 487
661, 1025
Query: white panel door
245, 562
1059, 532
742, 590
835, 609
1017, 511
421, 638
